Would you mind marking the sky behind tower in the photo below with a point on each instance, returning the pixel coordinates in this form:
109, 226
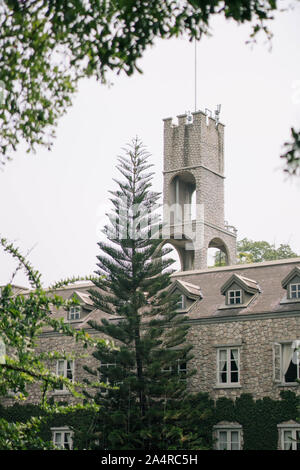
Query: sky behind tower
53, 202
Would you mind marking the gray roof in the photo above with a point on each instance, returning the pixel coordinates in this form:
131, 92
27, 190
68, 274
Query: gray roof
267, 275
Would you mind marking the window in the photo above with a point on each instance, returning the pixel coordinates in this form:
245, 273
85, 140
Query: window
103, 376
180, 368
62, 438
228, 366
229, 436
286, 362
2, 351
75, 312
234, 297
295, 291
289, 436
65, 368
181, 303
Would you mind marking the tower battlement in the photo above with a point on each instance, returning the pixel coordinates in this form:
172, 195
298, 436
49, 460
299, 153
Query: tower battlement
196, 139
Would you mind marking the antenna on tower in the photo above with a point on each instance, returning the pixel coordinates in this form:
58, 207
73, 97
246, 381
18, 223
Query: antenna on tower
217, 114
195, 75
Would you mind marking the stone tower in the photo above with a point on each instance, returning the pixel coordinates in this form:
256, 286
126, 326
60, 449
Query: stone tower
194, 190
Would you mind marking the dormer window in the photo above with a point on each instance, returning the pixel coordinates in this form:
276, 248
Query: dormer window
234, 297
239, 291
292, 285
187, 295
74, 312
295, 291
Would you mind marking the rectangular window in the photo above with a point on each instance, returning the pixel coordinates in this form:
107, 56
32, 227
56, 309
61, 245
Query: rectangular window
104, 376
75, 312
228, 366
295, 291
290, 439
229, 439
234, 297
65, 368
181, 303
62, 438
179, 368
286, 362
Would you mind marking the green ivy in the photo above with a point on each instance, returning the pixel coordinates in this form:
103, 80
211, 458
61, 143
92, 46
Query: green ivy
259, 418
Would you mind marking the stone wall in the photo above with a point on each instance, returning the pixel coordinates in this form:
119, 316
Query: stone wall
255, 338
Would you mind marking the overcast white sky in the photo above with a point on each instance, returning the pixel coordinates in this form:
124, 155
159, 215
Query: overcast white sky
52, 200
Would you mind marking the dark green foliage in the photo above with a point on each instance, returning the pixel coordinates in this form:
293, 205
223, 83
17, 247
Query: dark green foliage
80, 421
250, 251
48, 46
147, 369
292, 154
259, 420
23, 315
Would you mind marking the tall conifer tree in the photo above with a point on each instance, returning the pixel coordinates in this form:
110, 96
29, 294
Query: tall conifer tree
146, 370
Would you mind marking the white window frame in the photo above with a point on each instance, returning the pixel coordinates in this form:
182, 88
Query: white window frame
293, 429
238, 294
228, 430
228, 368
63, 431
297, 291
74, 312
177, 367
181, 303
107, 365
65, 370
278, 373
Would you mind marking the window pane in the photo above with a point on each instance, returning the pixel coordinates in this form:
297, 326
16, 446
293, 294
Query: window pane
291, 373
287, 437
57, 439
67, 441
234, 355
234, 440
70, 370
298, 440
60, 367
223, 440
234, 377
223, 366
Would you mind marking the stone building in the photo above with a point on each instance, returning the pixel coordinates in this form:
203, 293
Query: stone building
244, 318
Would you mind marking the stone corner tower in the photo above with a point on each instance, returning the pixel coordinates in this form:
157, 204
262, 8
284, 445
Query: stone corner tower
193, 191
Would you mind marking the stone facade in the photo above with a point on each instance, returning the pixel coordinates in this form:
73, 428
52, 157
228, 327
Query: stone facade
255, 340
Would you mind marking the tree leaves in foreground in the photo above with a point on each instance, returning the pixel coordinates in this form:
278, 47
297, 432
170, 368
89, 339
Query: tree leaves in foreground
23, 315
146, 404
48, 46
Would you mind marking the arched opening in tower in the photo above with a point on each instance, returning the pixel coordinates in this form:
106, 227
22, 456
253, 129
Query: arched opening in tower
173, 254
182, 198
217, 253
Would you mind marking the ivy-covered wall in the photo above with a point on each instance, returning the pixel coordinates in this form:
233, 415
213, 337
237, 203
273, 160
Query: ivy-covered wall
259, 418
80, 421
